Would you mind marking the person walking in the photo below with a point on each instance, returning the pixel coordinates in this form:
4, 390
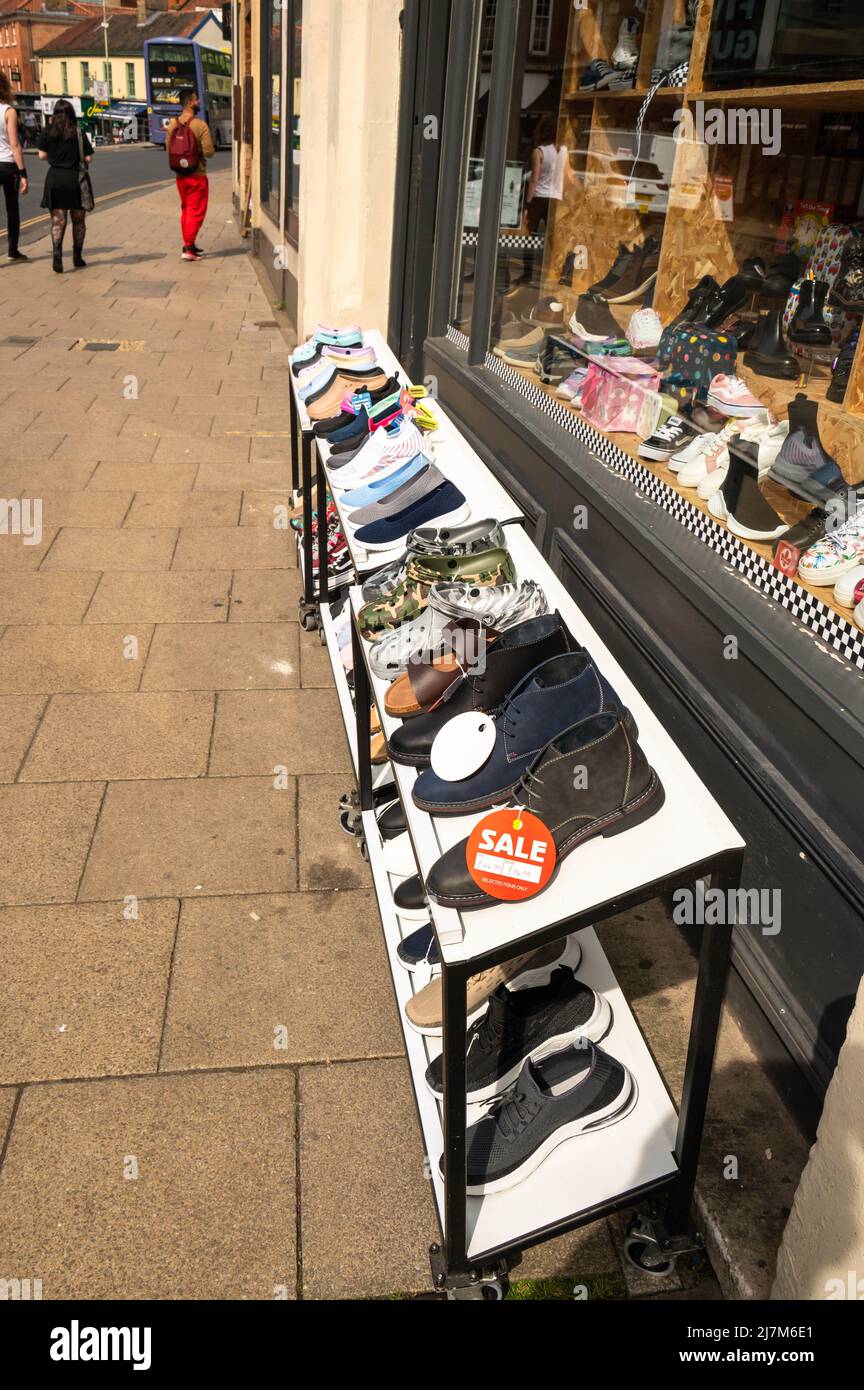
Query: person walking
13, 173
190, 144
67, 185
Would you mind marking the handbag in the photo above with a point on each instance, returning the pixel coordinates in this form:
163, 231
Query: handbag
88, 202
613, 395
694, 355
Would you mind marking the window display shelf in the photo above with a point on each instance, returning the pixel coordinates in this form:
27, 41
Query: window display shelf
824, 96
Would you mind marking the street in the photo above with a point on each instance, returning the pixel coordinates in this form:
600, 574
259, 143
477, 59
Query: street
127, 169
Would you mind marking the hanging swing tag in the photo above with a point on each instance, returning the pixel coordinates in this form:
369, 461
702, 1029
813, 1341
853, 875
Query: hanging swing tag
511, 854
423, 974
463, 745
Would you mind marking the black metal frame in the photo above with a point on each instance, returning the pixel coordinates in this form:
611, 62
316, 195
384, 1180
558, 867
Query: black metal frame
665, 1203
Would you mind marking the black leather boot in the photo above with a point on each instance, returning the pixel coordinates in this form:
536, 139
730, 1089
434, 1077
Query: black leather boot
516, 652
808, 327
768, 354
57, 261
841, 372
615, 790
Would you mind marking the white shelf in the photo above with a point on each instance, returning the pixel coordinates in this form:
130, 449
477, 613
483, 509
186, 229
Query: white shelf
583, 1172
448, 450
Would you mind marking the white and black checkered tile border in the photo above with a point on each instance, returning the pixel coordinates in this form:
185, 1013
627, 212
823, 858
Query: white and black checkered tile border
839, 634
522, 242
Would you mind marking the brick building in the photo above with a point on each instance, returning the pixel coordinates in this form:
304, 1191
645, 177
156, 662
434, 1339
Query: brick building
25, 25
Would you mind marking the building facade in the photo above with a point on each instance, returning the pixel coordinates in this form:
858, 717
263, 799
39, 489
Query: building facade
26, 26
316, 127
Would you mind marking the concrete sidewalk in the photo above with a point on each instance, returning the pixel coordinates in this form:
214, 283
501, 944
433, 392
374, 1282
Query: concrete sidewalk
202, 1085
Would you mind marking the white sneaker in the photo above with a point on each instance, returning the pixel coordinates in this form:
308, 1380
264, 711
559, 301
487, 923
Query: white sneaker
693, 449
712, 465
626, 52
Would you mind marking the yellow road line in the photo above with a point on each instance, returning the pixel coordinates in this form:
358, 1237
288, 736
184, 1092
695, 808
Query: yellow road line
118, 193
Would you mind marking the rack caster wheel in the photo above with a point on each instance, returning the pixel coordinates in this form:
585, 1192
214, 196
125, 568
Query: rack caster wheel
308, 617
485, 1291
351, 821
644, 1253
363, 848
349, 800
322, 636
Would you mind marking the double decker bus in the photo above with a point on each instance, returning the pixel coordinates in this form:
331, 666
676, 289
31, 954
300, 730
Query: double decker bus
172, 64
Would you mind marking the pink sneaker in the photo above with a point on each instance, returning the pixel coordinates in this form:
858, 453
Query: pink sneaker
730, 396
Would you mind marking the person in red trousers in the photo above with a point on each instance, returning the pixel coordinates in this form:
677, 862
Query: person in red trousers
194, 188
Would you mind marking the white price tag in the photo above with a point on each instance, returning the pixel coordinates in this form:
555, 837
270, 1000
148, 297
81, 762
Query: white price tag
463, 745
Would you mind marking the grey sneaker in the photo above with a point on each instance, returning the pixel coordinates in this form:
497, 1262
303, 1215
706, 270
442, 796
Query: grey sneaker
395, 502
525, 1023
576, 1091
803, 465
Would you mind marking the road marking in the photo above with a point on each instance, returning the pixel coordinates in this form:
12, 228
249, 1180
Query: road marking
119, 193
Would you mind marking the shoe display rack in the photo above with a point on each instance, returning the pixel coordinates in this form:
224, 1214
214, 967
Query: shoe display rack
647, 1160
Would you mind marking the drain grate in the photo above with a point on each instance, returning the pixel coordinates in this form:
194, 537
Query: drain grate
141, 289
108, 345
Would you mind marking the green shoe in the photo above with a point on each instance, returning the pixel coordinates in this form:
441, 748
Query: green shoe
409, 598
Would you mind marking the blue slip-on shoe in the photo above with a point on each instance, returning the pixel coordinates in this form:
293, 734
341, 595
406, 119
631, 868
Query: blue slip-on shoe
376, 491
562, 691
446, 505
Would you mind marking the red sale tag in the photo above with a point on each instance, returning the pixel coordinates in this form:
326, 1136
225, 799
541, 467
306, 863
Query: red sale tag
510, 854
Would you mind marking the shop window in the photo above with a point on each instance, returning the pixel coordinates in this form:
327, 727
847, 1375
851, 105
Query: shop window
472, 174
271, 106
293, 96
682, 238
130, 79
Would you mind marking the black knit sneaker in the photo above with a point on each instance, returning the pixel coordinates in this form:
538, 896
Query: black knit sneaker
523, 1023
576, 1091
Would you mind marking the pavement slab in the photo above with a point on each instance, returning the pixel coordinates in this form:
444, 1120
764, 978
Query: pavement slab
168, 1187
224, 656
205, 837
84, 988
261, 981
114, 738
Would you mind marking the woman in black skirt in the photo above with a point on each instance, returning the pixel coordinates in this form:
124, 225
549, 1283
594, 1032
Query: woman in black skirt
63, 145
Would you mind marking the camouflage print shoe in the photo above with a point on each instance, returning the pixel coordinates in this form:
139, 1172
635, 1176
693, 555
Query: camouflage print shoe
408, 600
474, 538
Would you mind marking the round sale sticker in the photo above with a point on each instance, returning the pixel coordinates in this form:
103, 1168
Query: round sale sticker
510, 854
